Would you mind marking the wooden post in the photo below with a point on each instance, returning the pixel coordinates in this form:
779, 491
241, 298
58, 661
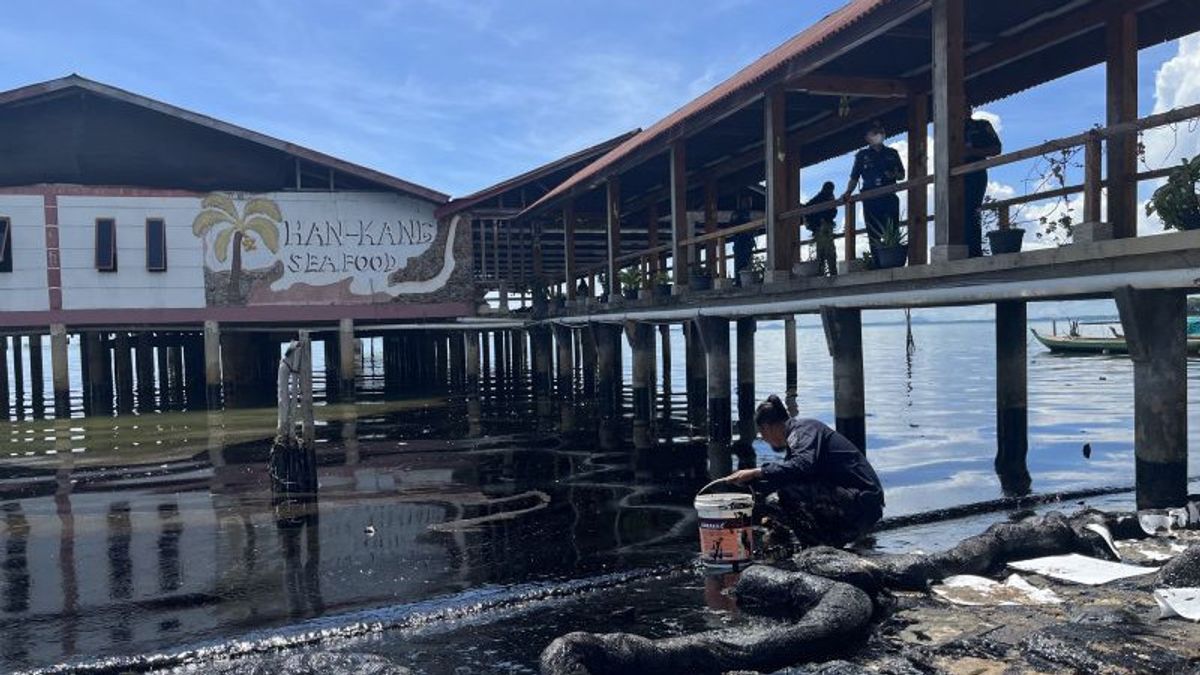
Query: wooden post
918, 167
681, 229
37, 376
18, 371
59, 370
745, 379
614, 236
145, 371
710, 224
307, 422
949, 111
1091, 179
568, 218
123, 362
4, 402
781, 236
843, 335
652, 230
789, 348
715, 331
1121, 74
345, 342
851, 231
1012, 416
212, 364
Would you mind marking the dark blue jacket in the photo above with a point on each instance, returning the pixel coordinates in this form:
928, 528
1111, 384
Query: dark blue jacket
817, 453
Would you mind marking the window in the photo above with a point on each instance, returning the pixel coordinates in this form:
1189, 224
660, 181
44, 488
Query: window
106, 245
5, 245
156, 245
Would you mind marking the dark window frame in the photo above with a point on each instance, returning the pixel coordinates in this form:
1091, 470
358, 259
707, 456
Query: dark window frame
6, 254
161, 222
111, 264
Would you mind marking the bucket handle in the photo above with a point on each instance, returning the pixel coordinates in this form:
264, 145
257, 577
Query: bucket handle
722, 481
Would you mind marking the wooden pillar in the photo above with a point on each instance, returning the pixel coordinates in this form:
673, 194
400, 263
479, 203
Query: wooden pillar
144, 352
614, 236
1012, 416
175, 366
5, 406
1153, 321
781, 236
716, 344
608, 366
587, 358
843, 334
60, 370
918, 167
710, 226
790, 361
37, 376
1121, 74
745, 379
212, 364
346, 365
564, 360
540, 341
652, 234
697, 376
665, 336
681, 229
18, 371
457, 357
572, 271
949, 120
123, 362
472, 348
641, 343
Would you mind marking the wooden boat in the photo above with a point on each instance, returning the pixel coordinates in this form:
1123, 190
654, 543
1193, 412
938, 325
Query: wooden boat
1084, 344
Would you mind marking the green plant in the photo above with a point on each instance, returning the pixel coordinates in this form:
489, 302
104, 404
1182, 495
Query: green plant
662, 278
892, 235
867, 259
702, 271
758, 265
630, 278
1176, 201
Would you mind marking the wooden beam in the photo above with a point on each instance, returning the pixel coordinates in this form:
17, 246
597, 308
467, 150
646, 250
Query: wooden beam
918, 167
839, 85
568, 217
781, 235
680, 228
949, 113
1122, 94
710, 223
652, 226
614, 235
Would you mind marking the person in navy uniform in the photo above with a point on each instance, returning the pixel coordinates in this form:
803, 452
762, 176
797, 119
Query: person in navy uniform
877, 165
823, 490
981, 142
743, 242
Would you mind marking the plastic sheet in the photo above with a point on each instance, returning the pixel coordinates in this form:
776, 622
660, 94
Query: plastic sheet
1080, 569
975, 591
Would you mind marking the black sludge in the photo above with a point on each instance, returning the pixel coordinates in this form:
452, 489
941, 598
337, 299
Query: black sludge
1182, 571
822, 618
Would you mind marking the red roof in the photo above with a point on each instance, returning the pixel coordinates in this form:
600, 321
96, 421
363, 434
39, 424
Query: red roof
783, 58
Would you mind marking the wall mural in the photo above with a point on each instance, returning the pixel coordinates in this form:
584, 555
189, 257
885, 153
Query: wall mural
306, 248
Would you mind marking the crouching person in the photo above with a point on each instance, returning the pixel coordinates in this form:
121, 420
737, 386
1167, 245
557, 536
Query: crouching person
824, 490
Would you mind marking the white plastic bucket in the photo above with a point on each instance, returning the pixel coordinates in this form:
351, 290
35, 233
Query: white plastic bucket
726, 528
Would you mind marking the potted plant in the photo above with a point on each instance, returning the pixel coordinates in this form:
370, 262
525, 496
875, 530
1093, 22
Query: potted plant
892, 247
557, 299
1001, 238
631, 282
753, 276
1176, 201
701, 278
662, 284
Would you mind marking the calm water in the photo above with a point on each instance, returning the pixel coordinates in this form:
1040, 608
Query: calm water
499, 521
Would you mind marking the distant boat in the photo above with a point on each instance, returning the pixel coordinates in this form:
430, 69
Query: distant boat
1074, 343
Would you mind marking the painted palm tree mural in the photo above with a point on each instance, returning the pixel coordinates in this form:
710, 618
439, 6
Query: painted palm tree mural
237, 232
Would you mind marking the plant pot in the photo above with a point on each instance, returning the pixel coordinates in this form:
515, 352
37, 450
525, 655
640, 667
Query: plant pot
700, 283
662, 291
1006, 241
891, 256
1186, 221
808, 268
749, 279
630, 294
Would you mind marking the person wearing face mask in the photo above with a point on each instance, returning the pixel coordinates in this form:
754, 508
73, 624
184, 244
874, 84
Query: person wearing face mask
876, 166
823, 490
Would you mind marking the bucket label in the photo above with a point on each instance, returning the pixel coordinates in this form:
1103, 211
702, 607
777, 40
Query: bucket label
726, 540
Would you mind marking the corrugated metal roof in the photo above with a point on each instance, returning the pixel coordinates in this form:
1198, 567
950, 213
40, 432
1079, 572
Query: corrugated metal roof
77, 82
670, 127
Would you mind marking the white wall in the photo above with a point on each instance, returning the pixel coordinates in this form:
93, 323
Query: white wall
131, 286
24, 289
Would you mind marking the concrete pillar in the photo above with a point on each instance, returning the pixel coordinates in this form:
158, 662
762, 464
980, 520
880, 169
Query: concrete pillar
457, 358
697, 376
144, 352
641, 343
791, 372
843, 334
161, 360
539, 339
608, 366
565, 356
175, 371
60, 370
18, 372
1012, 416
715, 333
97, 374
1154, 322
4, 401
193, 357
498, 355
123, 363
212, 364
588, 363
472, 348
745, 379
664, 331
346, 369
37, 376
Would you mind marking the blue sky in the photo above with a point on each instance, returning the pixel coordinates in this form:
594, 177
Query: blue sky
458, 94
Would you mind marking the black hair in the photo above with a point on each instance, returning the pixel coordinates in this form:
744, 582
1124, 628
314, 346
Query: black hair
827, 187
770, 411
877, 127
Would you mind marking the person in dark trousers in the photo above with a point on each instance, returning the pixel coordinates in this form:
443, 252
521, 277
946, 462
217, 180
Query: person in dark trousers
820, 224
981, 143
877, 165
743, 242
582, 291
827, 491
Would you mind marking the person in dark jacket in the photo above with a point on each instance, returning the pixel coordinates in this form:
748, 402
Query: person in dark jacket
981, 142
828, 493
821, 225
743, 242
876, 166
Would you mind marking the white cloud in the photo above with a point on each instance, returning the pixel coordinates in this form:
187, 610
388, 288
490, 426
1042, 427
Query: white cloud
1176, 84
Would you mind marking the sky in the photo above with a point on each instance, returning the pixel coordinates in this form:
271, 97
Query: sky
460, 94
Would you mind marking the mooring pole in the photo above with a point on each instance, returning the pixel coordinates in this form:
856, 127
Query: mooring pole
1012, 425
1154, 321
843, 335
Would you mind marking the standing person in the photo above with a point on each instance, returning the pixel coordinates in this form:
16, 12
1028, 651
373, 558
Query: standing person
826, 491
981, 143
877, 165
821, 225
582, 291
743, 242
